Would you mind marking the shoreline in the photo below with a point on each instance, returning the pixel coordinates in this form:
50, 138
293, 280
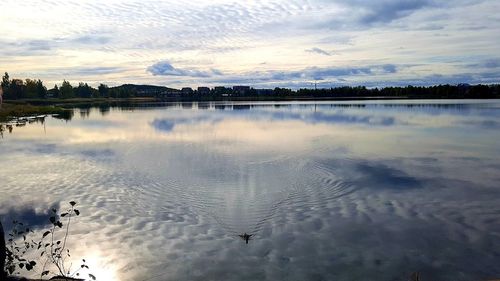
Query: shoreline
9, 111
87, 101
12, 109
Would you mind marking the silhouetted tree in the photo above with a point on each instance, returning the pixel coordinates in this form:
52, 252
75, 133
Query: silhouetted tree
83, 90
31, 89
41, 90
6, 86
5, 81
66, 90
103, 90
17, 89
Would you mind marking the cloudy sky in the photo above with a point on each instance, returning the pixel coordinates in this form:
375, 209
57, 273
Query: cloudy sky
290, 43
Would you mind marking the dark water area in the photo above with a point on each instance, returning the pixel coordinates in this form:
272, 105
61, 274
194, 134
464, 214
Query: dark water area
330, 190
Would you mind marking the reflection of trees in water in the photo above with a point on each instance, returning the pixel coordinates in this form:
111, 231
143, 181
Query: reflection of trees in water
66, 115
84, 112
9, 127
247, 106
104, 110
21, 122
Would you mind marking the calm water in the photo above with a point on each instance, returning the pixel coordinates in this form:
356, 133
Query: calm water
331, 191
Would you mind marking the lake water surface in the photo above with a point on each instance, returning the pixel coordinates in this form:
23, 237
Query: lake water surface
330, 191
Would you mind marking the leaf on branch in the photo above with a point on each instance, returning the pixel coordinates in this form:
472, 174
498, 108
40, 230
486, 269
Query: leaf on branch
92, 276
77, 212
64, 214
46, 272
72, 203
45, 234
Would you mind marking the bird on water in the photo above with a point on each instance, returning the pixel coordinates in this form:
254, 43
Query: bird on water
245, 237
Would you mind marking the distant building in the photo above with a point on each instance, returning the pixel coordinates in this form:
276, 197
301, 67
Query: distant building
220, 89
148, 93
241, 90
264, 92
203, 90
171, 93
223, 91
187, 91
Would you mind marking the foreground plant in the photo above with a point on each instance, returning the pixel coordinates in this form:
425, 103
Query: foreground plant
49, 251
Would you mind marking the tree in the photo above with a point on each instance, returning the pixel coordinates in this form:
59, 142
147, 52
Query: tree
30, 89
83, 90
41, 90
5, 81
5, 85
17, 89
103, 90
66, 90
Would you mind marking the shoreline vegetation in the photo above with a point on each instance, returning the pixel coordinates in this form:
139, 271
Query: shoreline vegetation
23, 251
10, 111
29, 97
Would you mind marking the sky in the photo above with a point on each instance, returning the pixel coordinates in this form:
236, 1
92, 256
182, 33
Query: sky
264, 44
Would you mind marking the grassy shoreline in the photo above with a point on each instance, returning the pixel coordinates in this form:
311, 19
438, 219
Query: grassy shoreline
10, 111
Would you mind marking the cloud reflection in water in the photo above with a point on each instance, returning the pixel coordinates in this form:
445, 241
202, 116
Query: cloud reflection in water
338, 192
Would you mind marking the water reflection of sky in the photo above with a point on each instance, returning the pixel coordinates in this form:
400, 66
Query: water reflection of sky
345, 191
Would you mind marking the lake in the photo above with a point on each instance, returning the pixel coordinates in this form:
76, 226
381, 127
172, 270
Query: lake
365, 190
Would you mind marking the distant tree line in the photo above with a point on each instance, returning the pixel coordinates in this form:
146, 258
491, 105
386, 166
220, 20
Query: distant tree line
461, 91
14, 89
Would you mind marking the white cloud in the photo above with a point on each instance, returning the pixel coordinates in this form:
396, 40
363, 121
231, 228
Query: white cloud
236, 37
